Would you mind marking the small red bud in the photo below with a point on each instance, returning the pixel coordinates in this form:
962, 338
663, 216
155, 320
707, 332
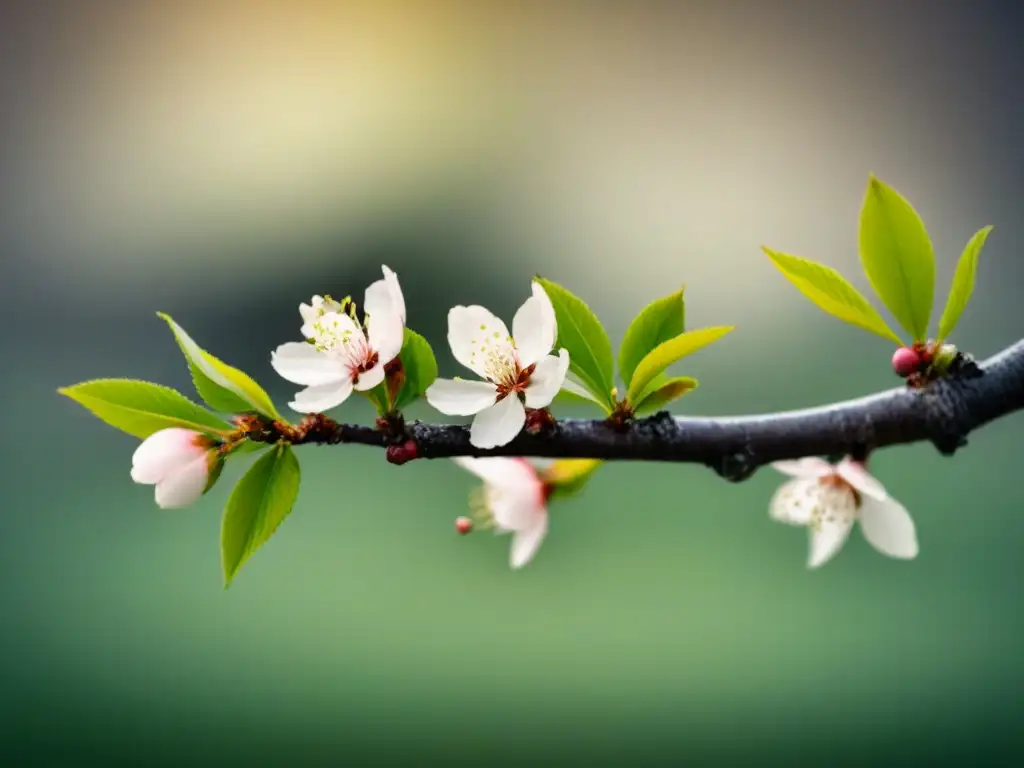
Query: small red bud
463, 525
905, 361
399, 454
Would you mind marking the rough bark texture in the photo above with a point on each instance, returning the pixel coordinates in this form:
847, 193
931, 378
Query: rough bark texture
943, 413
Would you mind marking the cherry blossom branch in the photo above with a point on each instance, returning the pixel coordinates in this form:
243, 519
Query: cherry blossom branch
942, 413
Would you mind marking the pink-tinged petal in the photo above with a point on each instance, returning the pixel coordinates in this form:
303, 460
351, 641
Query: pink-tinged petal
322, 397
478, 339
514, 508
547, 378
370, 378
831, 525
498, 424
795, 501
533, 327
525, 543
857, 475
164, 451
458, 397
300, 363
888, 527
807, 467
507, 474
185, 485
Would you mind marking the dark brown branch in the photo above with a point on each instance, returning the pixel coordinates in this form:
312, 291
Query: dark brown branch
943, 413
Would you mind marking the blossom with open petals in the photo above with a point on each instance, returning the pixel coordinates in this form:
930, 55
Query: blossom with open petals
179, 462
513, 499
340, 354
517, 369
829, 498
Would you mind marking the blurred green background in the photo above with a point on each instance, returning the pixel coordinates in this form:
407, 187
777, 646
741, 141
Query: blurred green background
222, 161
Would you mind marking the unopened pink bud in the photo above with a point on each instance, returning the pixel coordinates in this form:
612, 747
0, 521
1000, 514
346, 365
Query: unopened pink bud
463, 525
905, 361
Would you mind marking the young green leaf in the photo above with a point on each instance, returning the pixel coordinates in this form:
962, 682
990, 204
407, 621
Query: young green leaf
963, 283
573, 393
581, 333
831, 292
666, 353
661, 391
419, 367
897, 256
567, 477
221, 386
658, 322
258, 505
141, 408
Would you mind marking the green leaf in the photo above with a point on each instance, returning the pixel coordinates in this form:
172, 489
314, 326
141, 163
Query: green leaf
258, 505
581, 333
568, 477
897, 256
662, 391
572, 393
666, 353
658, 322
963, 283
141, 408
419, 366
831, 292
221, 386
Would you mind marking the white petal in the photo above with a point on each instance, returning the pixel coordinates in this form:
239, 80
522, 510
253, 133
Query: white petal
300, 363
857, 475
477, 337
322, 397
162, 452
547, 379
397, 298
888, 527
370, 378
499, 424
795, 501
458, 397
185, 485
386, 334
526, 543
831, 525
807, 467
310, 312
533, 327
515, 507
503, 473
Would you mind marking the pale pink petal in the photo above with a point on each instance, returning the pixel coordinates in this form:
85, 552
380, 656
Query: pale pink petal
807, 467
458, 397
164, 451
370, 378
525, 543
322, 397
547, 378
857, 475
503, 473
498, 424
533, 327
514, 508
795, 501
833, 520
184, 485
888, 527
299, 363
479, 340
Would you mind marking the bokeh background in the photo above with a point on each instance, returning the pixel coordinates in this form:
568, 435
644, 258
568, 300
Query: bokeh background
223, 161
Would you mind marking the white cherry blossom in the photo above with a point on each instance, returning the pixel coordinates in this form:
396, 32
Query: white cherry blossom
340, 354
514, 500
179, 462
828, 499
517, 369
